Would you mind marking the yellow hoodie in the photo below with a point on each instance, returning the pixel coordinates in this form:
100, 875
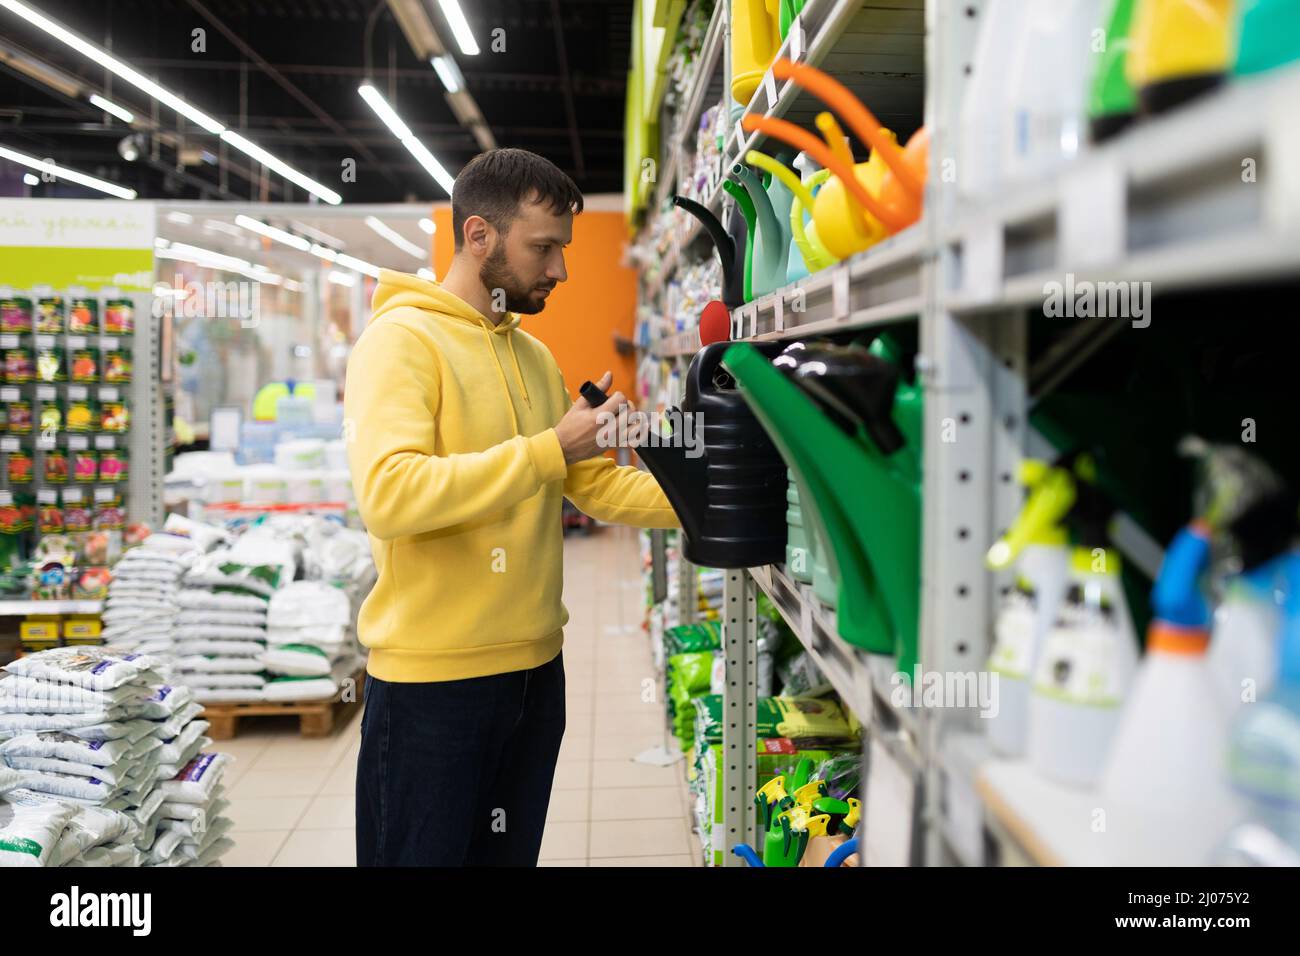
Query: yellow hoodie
449, 423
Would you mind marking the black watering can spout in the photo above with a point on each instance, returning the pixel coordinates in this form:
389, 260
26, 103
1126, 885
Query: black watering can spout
731, 251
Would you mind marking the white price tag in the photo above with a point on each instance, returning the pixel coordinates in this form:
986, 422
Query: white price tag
111, 292
108, 393
77, 291
78, 443
982, 261
798, 45
104, 494
108, 344
77, 393
105, 442
840, 293
44, 341
42, 291
9, 394
6, 292
778, 313
47, 442
48, 496
6, 498
47, 393
8, 341
76, 341
1092, 214
9, 443
769, 87
72, 496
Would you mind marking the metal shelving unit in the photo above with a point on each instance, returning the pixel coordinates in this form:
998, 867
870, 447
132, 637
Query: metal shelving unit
1206, 196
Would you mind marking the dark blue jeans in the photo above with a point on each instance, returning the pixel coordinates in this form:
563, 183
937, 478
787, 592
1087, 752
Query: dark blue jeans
458, 773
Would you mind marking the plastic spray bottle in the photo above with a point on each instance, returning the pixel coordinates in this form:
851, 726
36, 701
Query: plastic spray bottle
1040, 546
1163, 789
1089, 656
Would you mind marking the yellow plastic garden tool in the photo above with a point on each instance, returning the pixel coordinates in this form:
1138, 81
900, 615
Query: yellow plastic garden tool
809, 792
902, 191
755, 40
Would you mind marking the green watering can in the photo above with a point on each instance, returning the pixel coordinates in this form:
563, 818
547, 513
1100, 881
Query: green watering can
771, 245
745, 206
1268, 34
855, 449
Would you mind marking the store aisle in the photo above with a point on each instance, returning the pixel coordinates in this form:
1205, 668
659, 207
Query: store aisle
292, 799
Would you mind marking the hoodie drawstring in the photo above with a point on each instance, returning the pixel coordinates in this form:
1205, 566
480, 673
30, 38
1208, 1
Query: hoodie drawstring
519, 375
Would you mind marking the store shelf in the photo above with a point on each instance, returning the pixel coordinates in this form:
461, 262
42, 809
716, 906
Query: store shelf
879, 285
22, 608
876, 50
1205, 195
1051, 824
863, 681
710, 59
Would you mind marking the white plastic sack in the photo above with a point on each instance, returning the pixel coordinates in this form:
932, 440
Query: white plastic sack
69, 785
199, 682
196, 781
308, 603
165, 701
211, 618
86, 667
59, 745
173, 725
218, 664
297, 660
30, 826
198, 599
223, 632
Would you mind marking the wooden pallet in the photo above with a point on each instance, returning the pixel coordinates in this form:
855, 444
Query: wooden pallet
316, 718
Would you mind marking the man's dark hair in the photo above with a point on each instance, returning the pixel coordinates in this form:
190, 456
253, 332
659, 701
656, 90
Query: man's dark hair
497, 182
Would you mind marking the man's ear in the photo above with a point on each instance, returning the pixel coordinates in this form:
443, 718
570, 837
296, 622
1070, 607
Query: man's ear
477, 236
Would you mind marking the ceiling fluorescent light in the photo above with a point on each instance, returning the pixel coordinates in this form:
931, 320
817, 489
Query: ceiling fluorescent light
449, 73
180, 218
72, 176
281, 167
396, 238
342, 278
279, 235
30, 180
428, 226
324, 238
360, 265
403, 132
217, 225
102, 58
108, 106
324, 252
292, 285
459, 26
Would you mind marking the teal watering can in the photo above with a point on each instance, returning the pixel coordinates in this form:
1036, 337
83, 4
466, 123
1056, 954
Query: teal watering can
771, 245
1268, 34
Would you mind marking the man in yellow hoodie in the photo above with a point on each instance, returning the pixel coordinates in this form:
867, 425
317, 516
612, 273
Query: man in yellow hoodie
462, 442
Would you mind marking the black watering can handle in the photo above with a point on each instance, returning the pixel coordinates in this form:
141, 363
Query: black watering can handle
593, 394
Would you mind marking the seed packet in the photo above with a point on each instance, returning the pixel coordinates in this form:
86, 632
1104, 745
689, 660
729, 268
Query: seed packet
117, 366
51, 420
119, 317
49, 315
20, 467
15, 315
50, 365
85, 466
85, 365
49, 513
76, 514
112, 466
19, 417
20, 365
109, 513
114, 417
92, 583
83, 317
56, 467
81, 416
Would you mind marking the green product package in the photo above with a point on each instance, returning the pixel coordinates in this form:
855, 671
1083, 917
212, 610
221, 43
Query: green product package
83, 317
82, 416
114, 417
117, 366
689, 638
20, 365
15, 315
85, 366
50, 365
119, 317
49, 315
798, 718
18, 417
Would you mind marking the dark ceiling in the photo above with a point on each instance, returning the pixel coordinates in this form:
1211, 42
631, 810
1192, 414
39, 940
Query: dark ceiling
285, 73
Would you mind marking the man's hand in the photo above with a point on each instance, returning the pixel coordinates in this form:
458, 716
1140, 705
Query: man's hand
582, 425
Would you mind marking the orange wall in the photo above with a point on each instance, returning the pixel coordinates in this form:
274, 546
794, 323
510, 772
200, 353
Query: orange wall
582, 314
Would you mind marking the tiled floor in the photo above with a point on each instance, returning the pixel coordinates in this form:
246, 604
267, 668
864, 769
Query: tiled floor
292, 799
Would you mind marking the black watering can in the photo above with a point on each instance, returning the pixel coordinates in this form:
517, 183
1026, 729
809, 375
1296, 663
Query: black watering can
729, 244
721, 473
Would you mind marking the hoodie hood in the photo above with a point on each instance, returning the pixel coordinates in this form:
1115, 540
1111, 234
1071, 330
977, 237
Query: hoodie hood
400, 289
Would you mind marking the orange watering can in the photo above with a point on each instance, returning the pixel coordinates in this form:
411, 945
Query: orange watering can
897, 203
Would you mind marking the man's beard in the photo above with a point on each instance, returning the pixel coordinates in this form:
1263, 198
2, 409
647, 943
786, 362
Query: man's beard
495, 274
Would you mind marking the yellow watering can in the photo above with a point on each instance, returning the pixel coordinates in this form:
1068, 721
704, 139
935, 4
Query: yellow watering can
896, 203
755, 40
1179, 49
